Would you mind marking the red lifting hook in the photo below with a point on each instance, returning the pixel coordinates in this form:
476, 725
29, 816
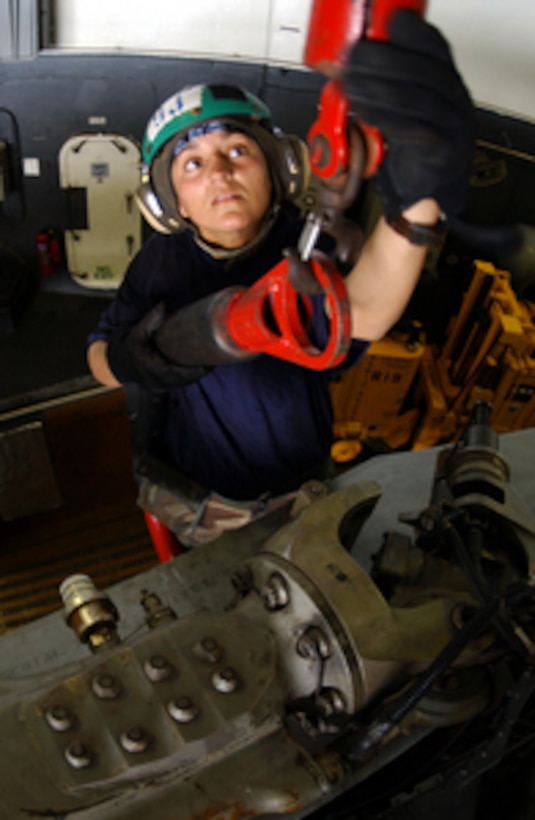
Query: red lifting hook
236, 324
268, 317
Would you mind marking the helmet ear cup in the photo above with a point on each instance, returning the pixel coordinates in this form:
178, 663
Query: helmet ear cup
155, 196
288, 160
151, 210
294, 166
162, 218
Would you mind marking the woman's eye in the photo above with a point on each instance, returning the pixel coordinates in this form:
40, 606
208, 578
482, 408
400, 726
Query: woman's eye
191, 164
237, 151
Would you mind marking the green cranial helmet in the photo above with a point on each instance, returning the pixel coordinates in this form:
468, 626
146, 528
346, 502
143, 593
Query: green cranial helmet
195, 105
185, 113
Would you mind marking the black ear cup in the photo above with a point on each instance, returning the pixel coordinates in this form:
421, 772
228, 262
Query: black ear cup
155, 196
294, 166
150, 208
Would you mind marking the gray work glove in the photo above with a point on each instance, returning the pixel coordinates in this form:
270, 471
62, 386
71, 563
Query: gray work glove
410, 90
134, 358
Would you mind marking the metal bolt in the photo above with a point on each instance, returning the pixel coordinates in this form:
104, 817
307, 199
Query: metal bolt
79, 755
330, 702
275, 594
135, 740
105, 686
313, 644
225, 680
208, 649
182, 709
158, 668
59, 718
156, 612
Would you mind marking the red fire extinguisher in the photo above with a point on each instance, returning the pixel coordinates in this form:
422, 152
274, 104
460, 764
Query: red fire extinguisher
48, 251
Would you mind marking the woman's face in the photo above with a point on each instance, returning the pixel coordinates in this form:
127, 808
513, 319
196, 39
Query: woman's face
222, 184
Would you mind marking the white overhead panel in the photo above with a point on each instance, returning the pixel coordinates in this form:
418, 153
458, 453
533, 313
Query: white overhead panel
494, 50
18, 29
237, 29
492, 40
288, 30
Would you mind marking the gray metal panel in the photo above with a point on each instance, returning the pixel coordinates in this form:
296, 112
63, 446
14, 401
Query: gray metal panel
18, 29
27, 29
6, 30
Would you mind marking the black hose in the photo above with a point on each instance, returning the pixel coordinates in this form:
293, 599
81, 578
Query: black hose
478, 581
370, 737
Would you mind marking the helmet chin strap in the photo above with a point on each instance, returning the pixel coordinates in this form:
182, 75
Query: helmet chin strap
217, 252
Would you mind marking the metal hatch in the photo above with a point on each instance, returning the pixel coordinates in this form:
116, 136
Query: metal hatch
104, 169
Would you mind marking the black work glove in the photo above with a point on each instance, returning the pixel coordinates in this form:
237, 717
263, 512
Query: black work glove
410, 90
134, 358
